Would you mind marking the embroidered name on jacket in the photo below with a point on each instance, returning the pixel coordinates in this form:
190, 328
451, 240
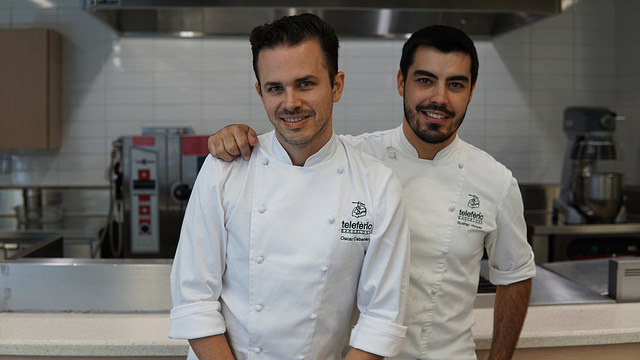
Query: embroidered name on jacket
470, 218
358, 229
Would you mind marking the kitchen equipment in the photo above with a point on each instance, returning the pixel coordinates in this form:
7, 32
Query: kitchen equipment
624, 279
152, 177
37, 210
588, 193
22, 244
384, 18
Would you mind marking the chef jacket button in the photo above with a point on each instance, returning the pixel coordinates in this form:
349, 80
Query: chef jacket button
313, 316
332, 220
300, 357
265, 162
460, 165
257, 350
259, 259
262, 209
434, 291
340, 170
452, 207
325, 268
445, 252
258, 307
391, 152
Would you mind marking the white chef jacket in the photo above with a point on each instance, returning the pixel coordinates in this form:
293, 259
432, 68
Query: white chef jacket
274, 254
459, 203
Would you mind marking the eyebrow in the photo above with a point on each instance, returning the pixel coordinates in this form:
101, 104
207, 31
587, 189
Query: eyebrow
462, 78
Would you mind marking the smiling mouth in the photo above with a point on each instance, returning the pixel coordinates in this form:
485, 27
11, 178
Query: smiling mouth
294, 120
434, 115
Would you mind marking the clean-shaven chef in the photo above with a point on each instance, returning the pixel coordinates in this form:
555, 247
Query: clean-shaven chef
277, 252
460, 201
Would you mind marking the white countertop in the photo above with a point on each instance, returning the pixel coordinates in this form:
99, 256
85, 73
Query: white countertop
568, 325
90, 334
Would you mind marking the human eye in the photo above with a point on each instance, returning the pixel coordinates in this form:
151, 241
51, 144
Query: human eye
457, 85
274, 89
424, 81
306, 84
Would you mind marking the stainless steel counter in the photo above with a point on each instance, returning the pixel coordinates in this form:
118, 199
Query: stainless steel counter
592, 274
551, 288
542, 235
85, 285
76, 213
81, 234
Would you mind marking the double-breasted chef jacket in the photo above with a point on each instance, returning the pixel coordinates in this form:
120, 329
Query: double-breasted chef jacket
458, 204
278, 256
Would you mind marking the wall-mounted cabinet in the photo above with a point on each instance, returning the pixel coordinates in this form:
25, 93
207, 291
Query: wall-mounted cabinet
30, 89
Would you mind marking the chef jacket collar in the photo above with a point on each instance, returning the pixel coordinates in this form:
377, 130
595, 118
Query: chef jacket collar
406, 146
324, 153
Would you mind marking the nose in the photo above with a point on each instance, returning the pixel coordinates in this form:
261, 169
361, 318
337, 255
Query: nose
439, 94
292, 100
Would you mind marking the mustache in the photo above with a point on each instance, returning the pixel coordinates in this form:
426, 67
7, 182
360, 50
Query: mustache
294, 112
436, 107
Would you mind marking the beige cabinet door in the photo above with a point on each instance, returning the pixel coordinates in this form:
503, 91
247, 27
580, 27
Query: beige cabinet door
30, 89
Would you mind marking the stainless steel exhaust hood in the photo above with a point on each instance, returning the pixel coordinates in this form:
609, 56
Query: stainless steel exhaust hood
350, 18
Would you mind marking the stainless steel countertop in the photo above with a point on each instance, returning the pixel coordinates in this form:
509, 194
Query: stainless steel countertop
592, 273
549, 288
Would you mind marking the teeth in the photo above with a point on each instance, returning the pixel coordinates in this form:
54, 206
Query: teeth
292, 120
435, 116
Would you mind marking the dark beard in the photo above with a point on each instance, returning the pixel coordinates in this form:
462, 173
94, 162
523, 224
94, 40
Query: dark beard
431, 133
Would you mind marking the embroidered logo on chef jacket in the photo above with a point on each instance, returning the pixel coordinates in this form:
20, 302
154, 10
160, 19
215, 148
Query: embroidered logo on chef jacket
359, 210
357, 230
474, 201
471, 218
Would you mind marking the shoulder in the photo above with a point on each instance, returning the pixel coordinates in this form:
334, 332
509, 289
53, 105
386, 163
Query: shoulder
359, 156
374, 143
373, 172
215, 171
483, 162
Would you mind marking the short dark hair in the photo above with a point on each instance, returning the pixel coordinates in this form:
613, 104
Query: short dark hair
443, 38
293, 30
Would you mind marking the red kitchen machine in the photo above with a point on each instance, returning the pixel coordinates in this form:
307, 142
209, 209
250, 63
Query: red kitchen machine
152, 176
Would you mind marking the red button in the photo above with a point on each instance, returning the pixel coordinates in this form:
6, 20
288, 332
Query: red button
144, 210
144, 174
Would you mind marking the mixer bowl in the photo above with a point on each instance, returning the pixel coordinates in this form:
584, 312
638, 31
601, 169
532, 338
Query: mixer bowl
599, 196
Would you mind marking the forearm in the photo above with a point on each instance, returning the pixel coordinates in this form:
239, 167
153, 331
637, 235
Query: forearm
357, 354
509, 312
214, 347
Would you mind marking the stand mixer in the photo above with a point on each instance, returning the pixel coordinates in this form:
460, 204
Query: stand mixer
588, 195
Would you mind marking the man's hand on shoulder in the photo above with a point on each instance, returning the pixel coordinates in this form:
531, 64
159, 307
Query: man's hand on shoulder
232, 141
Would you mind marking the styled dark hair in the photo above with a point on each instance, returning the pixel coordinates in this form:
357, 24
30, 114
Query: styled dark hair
443, 38
293, 30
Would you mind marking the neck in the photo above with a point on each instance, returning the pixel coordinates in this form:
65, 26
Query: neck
425, 150
298, 154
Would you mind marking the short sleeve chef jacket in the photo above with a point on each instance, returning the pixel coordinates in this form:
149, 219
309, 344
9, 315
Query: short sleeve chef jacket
278, 255
459, 203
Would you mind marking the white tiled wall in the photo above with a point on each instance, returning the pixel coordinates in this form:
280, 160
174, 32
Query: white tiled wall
114, 86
